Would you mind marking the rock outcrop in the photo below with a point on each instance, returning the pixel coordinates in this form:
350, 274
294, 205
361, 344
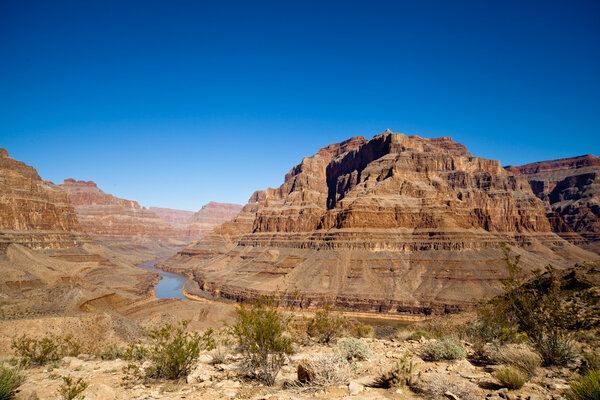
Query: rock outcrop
572, 188
398, 223
122, 225
32, 213
179, 219
209, 216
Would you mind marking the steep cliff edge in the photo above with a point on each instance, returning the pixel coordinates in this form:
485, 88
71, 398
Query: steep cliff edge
32, 213
122, 225
572, 188
393, 224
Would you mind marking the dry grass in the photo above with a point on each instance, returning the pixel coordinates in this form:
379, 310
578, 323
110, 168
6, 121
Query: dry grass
322, 372
520, 356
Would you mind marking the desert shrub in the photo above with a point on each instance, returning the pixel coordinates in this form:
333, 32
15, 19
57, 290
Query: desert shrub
259, 331
173, 351
71, 347
442, 349
208, 339
554, 349
404, 373
352, 349
535, 309
511, 377
112, 352
72, 389
325, 326
322, 371
218, 355
10, 380
586, 388
36, 352
519, 356
418, 334
135, 352
590, 361
436, 385
364, 331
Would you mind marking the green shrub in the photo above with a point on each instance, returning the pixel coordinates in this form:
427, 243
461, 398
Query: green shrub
587, 388
135, 352
10, 380
112, 352
418, 334
443, 349
72, 389
173, 351
36, 352
352, 349
71, 347
511, 377
404, 373
325, 326
259, 331
364, 331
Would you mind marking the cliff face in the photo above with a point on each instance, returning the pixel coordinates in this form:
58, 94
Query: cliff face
179, 219
571, 186
397, 223
32, 213
209, 216
122, 225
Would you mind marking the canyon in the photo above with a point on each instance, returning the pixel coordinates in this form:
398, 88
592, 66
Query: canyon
395, 224
571, 186
137, 232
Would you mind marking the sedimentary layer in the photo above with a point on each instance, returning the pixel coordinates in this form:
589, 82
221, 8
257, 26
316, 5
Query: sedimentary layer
571, 186
396, 223
209, 216
32, 213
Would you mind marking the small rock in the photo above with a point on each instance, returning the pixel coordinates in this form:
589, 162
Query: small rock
230, 392
355, 388
27, 394
205, 358
451, 396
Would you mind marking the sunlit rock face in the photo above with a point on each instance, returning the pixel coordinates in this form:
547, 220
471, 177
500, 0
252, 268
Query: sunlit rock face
572, 188
393, 224
33, 213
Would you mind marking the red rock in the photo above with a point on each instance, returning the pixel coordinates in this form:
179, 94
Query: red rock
571, 186
33, 213
396, 224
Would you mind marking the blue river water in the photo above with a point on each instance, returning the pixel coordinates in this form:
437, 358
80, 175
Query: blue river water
169, 286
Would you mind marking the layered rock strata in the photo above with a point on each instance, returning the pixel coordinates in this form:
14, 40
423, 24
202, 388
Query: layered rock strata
398, 223
571, 187
122, 225
179, 219
32, 213
209, 216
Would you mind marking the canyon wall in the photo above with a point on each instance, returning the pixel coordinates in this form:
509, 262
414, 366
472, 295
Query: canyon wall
32, 213
571, 186
398, 223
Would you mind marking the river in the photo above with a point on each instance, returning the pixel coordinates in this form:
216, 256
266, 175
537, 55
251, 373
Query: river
169, 286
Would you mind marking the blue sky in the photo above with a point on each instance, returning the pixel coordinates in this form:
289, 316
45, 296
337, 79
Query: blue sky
176, 103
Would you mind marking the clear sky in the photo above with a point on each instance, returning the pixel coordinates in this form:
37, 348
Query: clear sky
176, 103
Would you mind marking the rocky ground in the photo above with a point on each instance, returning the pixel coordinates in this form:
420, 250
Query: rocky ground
452, 379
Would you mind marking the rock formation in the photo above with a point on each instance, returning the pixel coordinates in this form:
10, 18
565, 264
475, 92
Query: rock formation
122, 225
180, 219
209, 216
572, 188
32, 213
393, 224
